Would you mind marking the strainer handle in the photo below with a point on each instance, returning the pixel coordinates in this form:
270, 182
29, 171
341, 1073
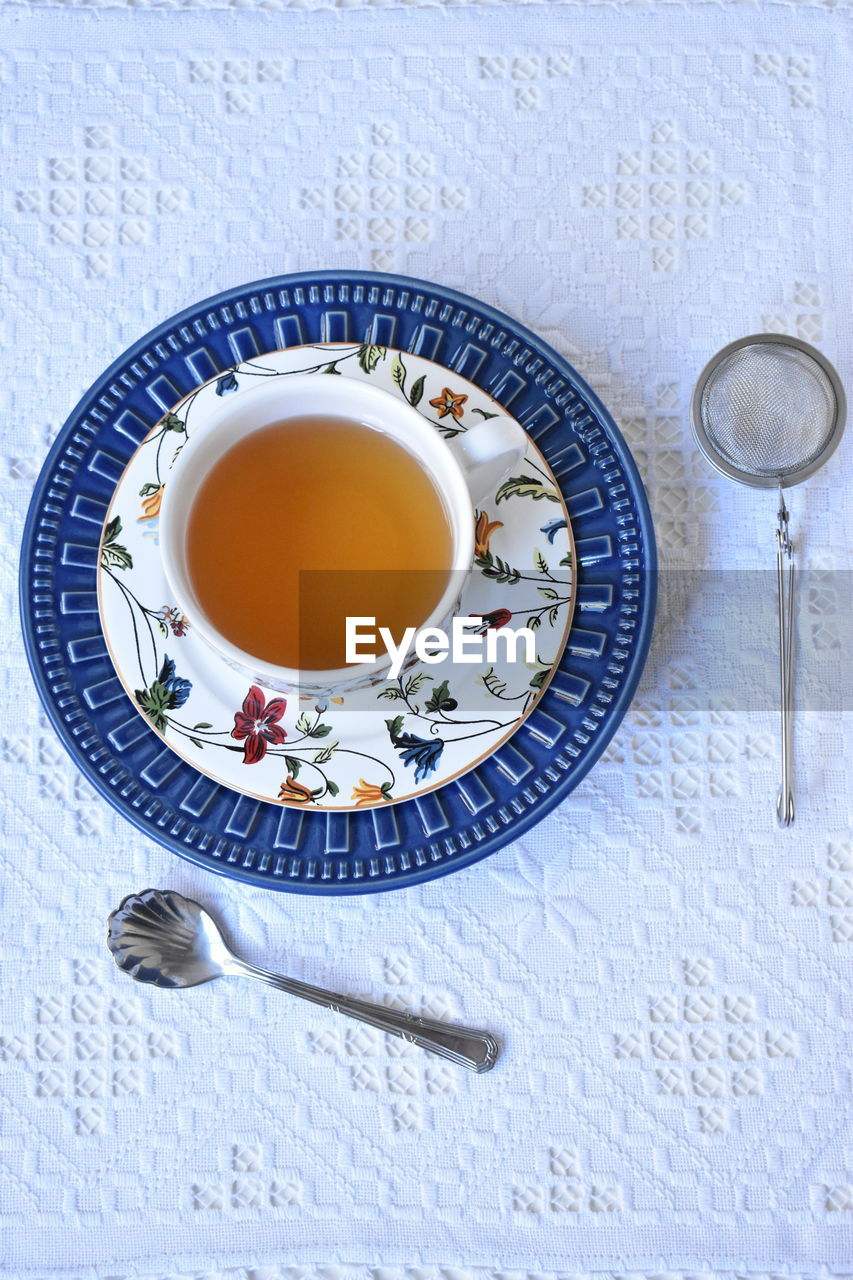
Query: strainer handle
785, 583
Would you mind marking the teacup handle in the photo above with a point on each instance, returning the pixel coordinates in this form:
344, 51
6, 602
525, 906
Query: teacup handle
487, 454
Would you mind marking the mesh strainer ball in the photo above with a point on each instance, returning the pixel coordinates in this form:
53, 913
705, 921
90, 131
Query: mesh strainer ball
768, 410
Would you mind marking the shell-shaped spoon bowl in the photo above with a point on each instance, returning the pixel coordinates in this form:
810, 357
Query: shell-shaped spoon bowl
166, 939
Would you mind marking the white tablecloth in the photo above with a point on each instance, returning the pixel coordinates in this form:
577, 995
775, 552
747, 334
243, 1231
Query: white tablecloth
670, 975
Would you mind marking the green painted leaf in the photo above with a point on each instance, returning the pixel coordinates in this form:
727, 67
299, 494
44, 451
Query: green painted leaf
203, 724
392, 693
325, 753
440, 699
115, 556
417, 391
154, 702
369, 356
482, 413
553, 615
112, 530
394, 726
332, 787
540, 561
196, 743
525, 487
386, 788
548, 593
494, 567
172, 422
415, 683
148, 489
534, 622
566, 560
303, 724
321, 731
292, 765
330, 368
495, 686
398, 371
158, 696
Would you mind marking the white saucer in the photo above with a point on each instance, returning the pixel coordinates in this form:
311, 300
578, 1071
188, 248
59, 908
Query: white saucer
380, 745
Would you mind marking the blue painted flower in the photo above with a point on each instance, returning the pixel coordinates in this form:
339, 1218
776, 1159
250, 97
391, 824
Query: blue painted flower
175, 685
552, 528
226, 383
423, 753
163, 695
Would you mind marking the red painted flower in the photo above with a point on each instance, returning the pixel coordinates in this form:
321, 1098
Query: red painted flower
258, 724
494, 620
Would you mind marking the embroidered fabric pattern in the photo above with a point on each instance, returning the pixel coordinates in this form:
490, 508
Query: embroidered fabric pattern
669, 975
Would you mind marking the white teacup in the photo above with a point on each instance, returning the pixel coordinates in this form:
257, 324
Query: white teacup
464, 471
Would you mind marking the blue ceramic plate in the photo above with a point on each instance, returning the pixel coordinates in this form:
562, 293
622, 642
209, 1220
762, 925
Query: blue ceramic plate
384, 848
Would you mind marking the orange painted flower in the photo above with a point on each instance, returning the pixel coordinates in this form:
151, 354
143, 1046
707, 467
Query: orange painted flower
290, 789
448, 403
151, 504
483, 532
171, 616
369, 793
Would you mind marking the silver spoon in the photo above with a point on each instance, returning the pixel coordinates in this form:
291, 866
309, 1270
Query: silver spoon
161, 937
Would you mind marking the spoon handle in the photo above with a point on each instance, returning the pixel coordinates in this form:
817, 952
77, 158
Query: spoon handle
476, 1050
785, 586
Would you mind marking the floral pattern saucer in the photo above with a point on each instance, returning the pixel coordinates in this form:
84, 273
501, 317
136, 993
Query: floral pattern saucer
389, 743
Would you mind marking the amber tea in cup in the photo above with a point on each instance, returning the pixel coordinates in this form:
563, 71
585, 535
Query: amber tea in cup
305, 522
299, 503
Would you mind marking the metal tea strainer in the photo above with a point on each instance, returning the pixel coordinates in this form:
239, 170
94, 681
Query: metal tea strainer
767, 411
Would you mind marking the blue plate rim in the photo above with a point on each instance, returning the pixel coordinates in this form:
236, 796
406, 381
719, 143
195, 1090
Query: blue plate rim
569, 781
